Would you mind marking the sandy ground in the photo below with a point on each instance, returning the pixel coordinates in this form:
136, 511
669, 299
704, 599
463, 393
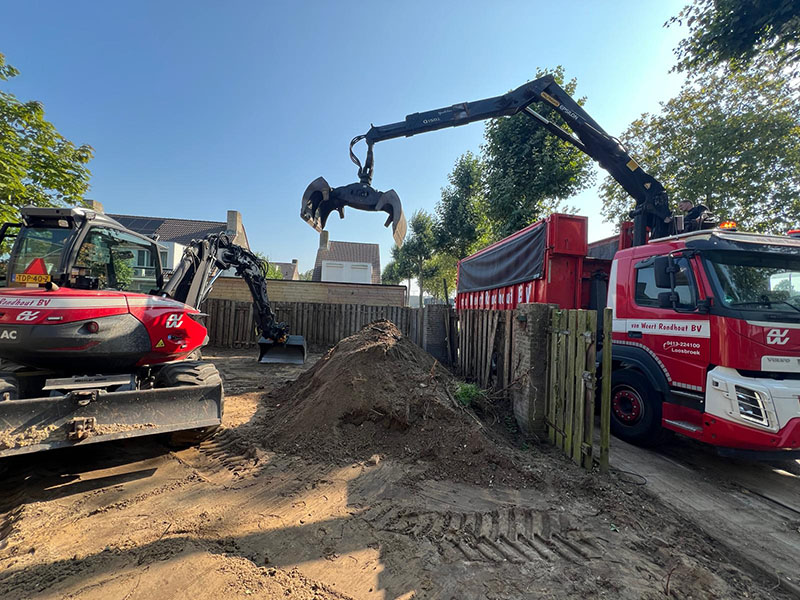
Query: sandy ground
136, 520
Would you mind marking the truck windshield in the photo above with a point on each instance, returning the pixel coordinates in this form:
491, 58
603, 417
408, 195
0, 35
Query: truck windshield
755, 280
45, 243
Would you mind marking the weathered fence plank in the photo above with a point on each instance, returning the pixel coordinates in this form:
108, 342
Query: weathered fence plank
579, 404
605, 396
232, 324
572, 381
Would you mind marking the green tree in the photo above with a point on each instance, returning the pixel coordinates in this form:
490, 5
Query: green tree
462, 225
306, 275
728, 140
737, 33
38, 166
398, 269
391, 274
419, 246
273, 271
530, 172
440, 268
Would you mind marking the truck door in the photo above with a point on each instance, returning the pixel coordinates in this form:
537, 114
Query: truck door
676, 334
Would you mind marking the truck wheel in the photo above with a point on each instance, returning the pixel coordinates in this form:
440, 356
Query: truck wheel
635, 408
182, 374
9, 387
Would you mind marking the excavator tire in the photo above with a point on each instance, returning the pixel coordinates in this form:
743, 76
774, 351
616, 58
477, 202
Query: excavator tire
9, 388
195, 355
182, 374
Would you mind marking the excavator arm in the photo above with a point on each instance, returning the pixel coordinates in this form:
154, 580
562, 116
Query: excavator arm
205, 260
651, 210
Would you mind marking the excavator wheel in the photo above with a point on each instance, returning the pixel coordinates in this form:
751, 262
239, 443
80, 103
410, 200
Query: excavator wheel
9, 388
182, 374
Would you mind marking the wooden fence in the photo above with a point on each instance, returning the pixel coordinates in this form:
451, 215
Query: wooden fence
571, 396
484, 347
231, 323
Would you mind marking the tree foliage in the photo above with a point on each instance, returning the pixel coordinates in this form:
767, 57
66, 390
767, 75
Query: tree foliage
738, 33
273, 270
410, 260
530, 172
440, 268
38, 166
391, 274
462, 225
728, 140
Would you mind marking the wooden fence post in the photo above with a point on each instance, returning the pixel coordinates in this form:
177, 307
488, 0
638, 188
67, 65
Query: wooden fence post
552, 392
605, 396
591, 370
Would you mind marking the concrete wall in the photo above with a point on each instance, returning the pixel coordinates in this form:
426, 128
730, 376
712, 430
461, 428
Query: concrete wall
281, 290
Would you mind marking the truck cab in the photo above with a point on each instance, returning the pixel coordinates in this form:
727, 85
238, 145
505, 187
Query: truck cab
706, 339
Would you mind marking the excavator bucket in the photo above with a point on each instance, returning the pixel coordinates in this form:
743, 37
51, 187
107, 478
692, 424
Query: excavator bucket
291, 352
320, 200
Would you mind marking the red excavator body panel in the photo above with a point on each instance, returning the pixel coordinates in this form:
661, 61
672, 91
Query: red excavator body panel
87, 331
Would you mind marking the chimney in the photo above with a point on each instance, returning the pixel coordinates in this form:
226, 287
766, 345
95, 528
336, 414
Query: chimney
294, 261
95, 205
324, 242
234, 223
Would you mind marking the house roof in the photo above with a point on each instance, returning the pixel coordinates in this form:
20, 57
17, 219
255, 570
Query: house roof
181, 231
356, 252
289, 270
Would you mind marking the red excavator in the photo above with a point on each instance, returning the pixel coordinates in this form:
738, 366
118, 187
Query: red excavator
95, 345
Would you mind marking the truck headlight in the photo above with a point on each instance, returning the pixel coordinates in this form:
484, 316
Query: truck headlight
752, 405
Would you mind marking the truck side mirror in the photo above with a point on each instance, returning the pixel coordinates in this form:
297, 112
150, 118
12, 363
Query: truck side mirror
665, 300
661, 271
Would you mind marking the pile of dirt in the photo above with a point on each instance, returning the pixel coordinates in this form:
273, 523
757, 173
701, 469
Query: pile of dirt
378, 395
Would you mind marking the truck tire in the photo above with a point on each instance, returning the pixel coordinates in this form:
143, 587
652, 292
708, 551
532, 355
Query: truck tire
9, 387
182, 374
635, 409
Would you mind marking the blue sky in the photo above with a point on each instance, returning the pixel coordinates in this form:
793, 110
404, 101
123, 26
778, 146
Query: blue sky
197, 107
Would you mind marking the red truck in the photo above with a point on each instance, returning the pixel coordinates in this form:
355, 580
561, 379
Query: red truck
706, 334
706, 330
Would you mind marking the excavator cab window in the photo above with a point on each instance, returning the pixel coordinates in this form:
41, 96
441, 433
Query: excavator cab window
112, 259
37, 254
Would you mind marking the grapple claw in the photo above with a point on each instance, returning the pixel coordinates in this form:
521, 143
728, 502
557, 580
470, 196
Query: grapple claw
319, 200
315, 208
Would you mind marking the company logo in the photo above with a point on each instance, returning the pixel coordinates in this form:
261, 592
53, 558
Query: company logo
778, 337
8, 334
174, 320
28, 315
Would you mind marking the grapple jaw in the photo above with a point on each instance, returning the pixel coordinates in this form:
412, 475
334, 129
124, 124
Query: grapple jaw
320, 200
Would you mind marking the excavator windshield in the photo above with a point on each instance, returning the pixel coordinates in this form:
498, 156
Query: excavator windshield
37, 254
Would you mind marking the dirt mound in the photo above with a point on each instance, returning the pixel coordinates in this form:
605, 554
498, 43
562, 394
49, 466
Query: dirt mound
377, 393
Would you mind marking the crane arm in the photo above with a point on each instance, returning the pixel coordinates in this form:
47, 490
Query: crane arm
651, 211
